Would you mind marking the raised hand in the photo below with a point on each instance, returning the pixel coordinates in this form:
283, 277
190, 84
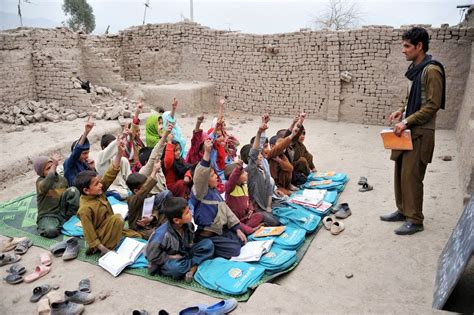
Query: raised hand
89, 125
174, 103
56, 158
265, 118
200, 118
262, 128
139, 106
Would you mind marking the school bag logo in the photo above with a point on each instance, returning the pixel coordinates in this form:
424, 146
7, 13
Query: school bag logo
235, 273
270, 255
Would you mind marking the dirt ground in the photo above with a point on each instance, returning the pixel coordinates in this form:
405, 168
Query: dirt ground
391, 274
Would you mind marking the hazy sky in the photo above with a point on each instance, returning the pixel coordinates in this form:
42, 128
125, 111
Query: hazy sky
260, 16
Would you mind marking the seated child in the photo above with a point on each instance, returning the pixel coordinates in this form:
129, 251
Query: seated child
196, 150
237, 198
102, 228
171, 249
260, 182
134, 142
55, 201
176, 170
154, 128
141, 186
78, 161
302, 159
213, 216
119, 188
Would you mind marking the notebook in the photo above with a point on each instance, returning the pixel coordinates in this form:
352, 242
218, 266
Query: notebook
126, 254
265, 231
253, 251
393, 142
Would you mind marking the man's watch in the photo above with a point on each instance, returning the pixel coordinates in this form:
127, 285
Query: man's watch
405, 122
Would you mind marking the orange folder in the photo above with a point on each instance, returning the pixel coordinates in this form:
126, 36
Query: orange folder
393, 142
269, 231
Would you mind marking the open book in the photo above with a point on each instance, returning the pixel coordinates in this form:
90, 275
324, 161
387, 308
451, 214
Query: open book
394, 142
253, 251
126, 254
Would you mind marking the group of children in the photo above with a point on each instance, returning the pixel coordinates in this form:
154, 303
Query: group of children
227, 196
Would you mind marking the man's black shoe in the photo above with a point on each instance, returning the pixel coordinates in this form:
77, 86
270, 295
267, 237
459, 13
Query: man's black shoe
393, 217
409, 228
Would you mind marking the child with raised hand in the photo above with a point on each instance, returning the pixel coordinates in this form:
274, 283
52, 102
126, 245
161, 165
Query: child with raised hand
56, 202
196, 151
237, 197
134, 142
260, 182
141, 186
79, 161
171, 249
302, 159
214, 218
151, 157
118, 189
102, 228
177, 173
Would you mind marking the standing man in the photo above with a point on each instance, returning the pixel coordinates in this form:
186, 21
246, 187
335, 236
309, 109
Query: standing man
427, 96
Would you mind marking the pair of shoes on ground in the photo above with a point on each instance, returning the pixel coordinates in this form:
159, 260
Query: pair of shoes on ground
219, 308
72, 302
332, 225
54, 303
365, 185
19, 244
407, 228
341, 211
68, 249
15, 274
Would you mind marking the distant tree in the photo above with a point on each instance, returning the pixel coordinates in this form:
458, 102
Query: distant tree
80, 15
339, 15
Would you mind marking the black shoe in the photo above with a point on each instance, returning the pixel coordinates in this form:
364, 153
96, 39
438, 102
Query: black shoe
409, 228
393, 217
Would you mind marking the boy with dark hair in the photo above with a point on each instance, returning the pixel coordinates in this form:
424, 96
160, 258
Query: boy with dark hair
102, 228
427, 95
141, 186
213, 216
171, 250
260, 182
118, 189
78, 161
237, 197
56, 202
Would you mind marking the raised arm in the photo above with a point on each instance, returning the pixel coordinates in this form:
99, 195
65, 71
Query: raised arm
174, 105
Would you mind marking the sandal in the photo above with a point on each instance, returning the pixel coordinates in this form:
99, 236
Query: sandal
10, 244
6, 259
366, 187
45, 259
328, 221
23, 246
337, 227
40, 271
13, 278
85, 285
16, 268
38, 292
362, 181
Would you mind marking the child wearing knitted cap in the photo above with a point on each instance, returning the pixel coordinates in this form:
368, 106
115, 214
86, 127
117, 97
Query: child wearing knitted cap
56, 202
78, 161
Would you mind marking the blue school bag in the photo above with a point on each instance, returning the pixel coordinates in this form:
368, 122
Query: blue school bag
297, 217
337, 177
290, 239
230, 277
71, 229
277, 260
331, 196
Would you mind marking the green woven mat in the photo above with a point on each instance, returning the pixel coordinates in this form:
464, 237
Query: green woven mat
18, 218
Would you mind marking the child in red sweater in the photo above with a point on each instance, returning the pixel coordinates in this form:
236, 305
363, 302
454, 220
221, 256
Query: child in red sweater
237, 198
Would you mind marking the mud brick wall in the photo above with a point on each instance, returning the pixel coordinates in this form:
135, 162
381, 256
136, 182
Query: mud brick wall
17, 79
304, 71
